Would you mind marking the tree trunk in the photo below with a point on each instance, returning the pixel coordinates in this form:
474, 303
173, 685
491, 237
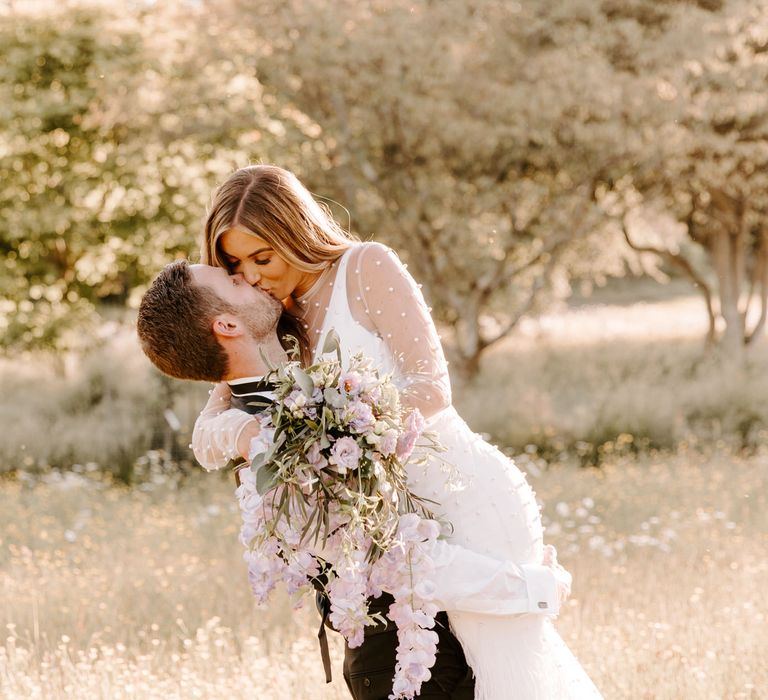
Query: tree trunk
467, 367
469, 343
760, 282
732, 341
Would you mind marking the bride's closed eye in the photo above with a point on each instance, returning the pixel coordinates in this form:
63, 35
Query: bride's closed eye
234, 265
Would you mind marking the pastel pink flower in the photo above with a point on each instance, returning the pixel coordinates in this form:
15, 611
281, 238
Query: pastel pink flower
415, 421
350, 382
345, 455
414, 425
405, 444
388, 442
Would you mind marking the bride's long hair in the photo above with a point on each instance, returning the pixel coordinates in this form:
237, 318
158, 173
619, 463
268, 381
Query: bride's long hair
271, 203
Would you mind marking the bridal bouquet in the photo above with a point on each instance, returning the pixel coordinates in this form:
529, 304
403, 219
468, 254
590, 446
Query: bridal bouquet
327, 483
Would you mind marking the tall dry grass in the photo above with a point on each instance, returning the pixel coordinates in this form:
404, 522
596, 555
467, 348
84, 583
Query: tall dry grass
557, 394
594, 380
113, 593
109, 592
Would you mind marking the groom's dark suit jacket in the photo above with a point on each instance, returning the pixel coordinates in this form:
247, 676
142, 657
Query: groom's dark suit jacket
368, 669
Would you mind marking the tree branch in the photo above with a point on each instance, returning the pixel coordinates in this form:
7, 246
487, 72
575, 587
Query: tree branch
685, 266
538, 285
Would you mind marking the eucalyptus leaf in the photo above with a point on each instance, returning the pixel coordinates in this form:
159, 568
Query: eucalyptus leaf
332, 343
265, 479
304, 381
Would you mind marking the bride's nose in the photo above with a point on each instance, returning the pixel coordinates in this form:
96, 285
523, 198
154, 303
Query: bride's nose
251, 274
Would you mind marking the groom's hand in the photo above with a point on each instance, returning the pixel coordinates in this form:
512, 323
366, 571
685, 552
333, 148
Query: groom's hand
249, 431
563, 578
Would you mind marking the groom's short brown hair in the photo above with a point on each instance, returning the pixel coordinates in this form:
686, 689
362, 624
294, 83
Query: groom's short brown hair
175, 326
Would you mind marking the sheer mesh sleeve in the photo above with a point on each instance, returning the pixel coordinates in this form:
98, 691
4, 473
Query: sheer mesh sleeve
217, 428
385, 299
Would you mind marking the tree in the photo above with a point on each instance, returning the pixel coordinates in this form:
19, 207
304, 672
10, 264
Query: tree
707, 166
51, 72
113, 131
467, 135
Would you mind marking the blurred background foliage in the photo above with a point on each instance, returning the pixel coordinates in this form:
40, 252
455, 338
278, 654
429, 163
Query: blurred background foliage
513, 153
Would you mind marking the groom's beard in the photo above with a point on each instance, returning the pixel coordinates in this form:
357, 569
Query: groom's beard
261, 319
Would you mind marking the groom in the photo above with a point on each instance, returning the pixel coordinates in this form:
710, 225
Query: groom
199, 322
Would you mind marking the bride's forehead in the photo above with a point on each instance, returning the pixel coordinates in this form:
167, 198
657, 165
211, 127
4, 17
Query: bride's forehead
238, 239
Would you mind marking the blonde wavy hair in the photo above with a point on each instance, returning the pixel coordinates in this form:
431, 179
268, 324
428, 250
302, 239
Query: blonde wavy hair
270, 202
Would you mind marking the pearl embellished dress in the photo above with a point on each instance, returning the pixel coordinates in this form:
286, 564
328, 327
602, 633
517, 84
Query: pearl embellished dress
489, 577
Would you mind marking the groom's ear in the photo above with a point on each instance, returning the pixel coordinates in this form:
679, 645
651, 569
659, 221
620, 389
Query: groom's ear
227, 326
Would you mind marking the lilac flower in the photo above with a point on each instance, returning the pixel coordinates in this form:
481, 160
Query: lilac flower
408, 527
352, 415
345, 455
401, 614
264, 568
262, 442
315, 456
301, 565
361, 418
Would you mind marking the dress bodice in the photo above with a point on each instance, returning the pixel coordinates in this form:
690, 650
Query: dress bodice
355, 336
376, 307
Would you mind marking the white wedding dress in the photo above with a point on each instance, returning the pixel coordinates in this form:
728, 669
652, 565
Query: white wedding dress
376, 308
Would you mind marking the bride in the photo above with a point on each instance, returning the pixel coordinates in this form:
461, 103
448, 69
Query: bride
265, 226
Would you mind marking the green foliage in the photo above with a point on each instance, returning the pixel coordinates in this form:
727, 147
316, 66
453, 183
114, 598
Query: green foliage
593, 401
561, 401
704, 161
109, 413
113, 131
473, 153
486, 154
60, 240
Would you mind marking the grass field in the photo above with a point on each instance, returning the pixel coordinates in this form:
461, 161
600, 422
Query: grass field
113, 593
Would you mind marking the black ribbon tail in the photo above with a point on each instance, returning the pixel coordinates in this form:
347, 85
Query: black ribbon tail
322, 638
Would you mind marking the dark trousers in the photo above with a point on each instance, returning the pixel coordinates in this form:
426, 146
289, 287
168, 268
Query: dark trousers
368, 669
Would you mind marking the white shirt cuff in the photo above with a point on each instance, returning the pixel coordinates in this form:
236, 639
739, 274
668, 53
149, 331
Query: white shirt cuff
543, 598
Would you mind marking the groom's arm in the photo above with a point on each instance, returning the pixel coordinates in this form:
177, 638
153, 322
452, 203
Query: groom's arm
466, 581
